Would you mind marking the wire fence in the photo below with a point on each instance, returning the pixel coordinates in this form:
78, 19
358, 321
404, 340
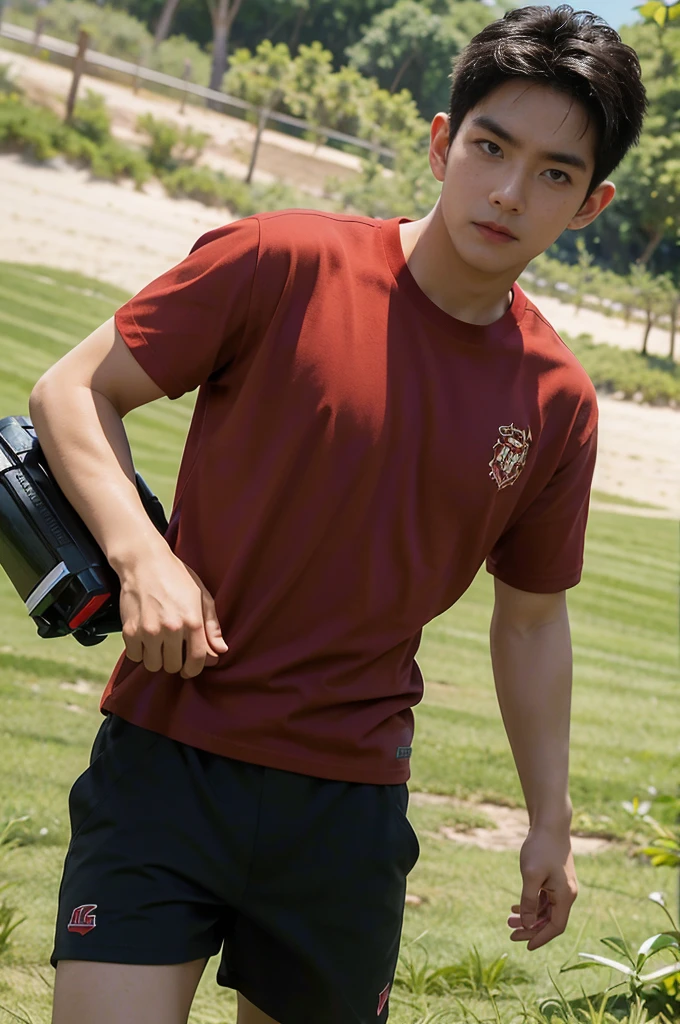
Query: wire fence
137, 72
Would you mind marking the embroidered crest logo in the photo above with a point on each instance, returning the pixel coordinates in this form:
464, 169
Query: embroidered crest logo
509, 455
82, 919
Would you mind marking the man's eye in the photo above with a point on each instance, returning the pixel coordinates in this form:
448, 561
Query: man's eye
563, 176
494, 148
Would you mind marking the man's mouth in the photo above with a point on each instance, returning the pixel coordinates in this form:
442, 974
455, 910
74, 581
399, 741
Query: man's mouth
495, 232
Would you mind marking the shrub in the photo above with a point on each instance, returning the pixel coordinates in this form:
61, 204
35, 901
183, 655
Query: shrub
216, 189
91, 118
279, 196
111, 31
170, 147
77, 148
40, 133
114, 161
210, 187
7, 85
34, 130
611, 369
409, 190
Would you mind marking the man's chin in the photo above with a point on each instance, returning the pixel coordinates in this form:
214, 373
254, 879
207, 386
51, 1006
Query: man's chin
495, 264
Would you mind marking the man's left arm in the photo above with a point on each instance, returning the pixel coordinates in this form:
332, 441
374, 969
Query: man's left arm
532, 665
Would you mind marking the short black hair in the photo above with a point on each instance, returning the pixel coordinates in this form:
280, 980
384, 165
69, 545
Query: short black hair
575, 52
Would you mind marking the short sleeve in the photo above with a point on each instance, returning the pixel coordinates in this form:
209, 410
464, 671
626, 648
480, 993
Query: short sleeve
542, 552
189, 322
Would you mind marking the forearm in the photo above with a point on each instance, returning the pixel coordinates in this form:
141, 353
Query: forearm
533, 673
84, 441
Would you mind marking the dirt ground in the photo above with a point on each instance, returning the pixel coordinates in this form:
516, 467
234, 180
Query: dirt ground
511, 825
56, 215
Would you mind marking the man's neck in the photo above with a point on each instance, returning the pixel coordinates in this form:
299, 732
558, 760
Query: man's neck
460, 290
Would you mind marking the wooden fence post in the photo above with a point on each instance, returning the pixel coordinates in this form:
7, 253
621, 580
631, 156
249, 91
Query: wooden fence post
78, 65
38, 31
186, 75
140, 60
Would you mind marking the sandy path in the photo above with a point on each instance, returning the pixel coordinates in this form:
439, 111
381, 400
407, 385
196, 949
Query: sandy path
603, 329
639, 454
56, 216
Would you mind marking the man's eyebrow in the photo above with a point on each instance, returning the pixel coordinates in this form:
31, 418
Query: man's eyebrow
571, 159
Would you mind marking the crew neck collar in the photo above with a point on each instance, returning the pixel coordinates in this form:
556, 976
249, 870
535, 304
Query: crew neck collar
495, 332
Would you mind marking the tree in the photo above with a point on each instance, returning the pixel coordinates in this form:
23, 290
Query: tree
262, 79
393, 120
411, 45
309, 87
652, 174
585, 273
223, 14
395, 38
649, 185
164, 22
302, 13
335, 23
653, 295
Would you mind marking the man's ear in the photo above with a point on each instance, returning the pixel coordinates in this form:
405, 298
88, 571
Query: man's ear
593, 206
439, 144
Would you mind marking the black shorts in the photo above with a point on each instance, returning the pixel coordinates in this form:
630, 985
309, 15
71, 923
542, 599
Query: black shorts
177, 853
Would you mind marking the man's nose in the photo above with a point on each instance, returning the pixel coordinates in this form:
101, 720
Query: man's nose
509, 195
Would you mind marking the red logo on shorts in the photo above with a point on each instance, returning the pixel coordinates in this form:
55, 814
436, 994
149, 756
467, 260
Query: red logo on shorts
82, 919
382, 999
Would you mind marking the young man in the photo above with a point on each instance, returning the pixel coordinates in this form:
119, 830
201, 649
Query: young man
380, 410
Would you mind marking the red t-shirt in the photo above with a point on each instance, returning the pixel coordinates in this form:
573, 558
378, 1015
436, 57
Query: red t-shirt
355, 454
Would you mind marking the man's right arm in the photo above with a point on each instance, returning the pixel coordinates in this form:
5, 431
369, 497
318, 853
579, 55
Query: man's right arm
77, 408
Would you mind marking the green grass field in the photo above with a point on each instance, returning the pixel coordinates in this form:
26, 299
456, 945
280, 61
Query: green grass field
625, 736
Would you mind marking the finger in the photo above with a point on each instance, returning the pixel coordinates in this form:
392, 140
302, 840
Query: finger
546, 900
546, 935
559, 914
515, 921
521, 935
196, 644
133, 647
213, 629
172, 652
554, 926
211, 624
153, 654
528, 904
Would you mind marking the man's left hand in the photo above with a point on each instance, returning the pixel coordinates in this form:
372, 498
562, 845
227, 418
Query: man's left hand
549, 887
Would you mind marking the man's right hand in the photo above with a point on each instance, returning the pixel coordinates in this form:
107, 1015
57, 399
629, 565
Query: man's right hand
168, 615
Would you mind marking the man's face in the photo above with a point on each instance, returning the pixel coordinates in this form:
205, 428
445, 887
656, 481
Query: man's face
522, 159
